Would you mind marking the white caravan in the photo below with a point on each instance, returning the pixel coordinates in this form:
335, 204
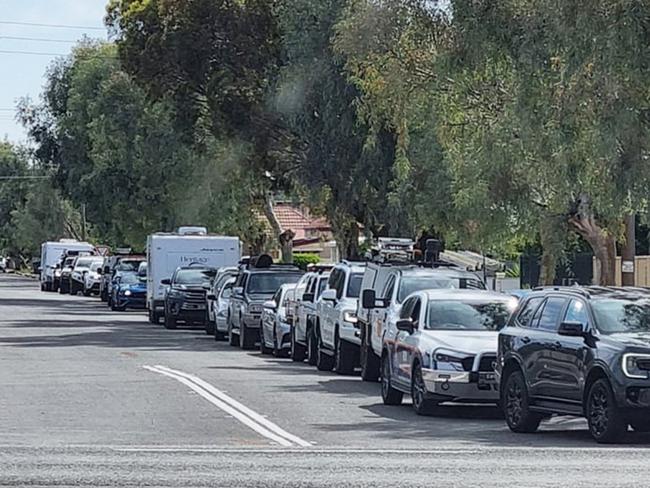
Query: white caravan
51, 252
166, 252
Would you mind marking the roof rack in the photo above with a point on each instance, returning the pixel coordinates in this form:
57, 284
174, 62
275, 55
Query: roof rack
319, 268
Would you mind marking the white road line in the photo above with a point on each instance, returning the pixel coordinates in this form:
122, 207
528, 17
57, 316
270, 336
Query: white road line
231, 406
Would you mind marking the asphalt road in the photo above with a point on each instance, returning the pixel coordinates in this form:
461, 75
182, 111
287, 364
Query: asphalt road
89, 397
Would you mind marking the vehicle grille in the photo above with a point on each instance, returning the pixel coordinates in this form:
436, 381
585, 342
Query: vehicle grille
468, 363
486, 363
195, 296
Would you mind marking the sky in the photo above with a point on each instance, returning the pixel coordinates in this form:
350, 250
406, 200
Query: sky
23, 74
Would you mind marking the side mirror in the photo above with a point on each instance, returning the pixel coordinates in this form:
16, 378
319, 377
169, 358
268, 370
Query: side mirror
406, 325
308, 297
166, 281
270, 305
368, 299
329, 295
211, 296
571, 329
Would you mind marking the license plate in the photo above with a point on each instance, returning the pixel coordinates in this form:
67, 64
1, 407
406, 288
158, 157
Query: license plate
487, 377
192, 306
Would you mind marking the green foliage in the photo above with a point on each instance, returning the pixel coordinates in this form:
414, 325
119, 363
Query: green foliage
302, 260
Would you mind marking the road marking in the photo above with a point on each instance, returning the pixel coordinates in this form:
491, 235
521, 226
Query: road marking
232, 407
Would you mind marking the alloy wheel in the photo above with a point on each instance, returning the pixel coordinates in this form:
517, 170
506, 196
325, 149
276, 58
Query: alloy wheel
514, 400
599, 411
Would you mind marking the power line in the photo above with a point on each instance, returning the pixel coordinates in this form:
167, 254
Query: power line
37, 39
39, 53
56, 26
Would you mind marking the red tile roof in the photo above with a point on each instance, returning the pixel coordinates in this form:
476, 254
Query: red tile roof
295, 219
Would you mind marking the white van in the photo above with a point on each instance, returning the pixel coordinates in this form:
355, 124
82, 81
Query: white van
168, 251
51, 252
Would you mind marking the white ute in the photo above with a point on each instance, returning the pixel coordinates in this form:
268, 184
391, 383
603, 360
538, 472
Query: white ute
168, 251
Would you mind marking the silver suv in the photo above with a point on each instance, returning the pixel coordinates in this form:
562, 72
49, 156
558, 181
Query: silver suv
303, 339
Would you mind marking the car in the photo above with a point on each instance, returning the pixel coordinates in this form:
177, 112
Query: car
581, 351
92, 279
114, 284
222, 277
220, 304
384, 288
443, 348
66, 272
123, 260
256, 282
305, 317
129, 291
336, 332
184, 300
82, 265
275, 331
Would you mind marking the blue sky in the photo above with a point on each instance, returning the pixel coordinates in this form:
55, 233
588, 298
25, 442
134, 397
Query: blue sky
23, 74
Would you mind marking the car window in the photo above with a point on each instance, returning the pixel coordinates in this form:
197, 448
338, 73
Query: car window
276, 297
227, 291
268, 283
550, 316
354, 285
474, 314
407, 308
577, 312
526, 314
389, 288
196, 276
415, 312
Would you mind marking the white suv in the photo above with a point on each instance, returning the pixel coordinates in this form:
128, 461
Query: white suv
336, 328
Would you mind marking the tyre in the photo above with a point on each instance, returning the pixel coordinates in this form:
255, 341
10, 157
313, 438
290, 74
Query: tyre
516, 406
209, 325
246, 337
389, 395
343, 356
263, 348
170, 321
115, 308
421, 404
605, 420
154, 317
298, 351
370, 363
43, 287
103, 296
324, 362
218, 335
312, 347
87, 293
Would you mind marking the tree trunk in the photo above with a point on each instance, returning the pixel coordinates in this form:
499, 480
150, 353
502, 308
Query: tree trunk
603, 244
552, 234
284, 237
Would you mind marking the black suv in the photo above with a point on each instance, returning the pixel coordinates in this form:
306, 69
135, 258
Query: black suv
185, 297
581, 351
256, 283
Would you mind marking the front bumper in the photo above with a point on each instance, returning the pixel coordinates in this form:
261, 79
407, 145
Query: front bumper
139, 302
252, 320
461, 386
350, 333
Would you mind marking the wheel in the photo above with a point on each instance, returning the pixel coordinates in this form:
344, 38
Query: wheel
154, 317
44, 287
87, 293
370, 362
170, 321
246, 339
263, 348
312, 347
298, 351
103, 296
343, 356
324, 362
606, 423
218, 335
389, 395
233, 340
209, 325
115, 308
515, 404
421, 404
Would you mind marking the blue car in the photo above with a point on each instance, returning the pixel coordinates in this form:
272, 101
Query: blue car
128, 290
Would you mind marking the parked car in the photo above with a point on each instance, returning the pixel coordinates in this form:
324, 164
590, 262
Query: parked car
582, 351
51, 253
91, 279
114, 285
443, 348
220, 304
129, 291
336, 332
256, 283
82, 266
275, 331
185, 298
384, 288
223, 276
66, 272
305, 317
123, 260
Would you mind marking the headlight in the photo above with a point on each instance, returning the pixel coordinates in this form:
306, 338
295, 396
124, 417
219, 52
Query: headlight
255, 308
636, 365
127, 293
350, 317
449, 362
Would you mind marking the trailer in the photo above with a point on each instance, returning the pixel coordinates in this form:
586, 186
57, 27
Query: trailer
51, 253
168, 251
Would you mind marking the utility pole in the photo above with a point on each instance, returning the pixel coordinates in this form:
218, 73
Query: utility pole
83, 222
628, 252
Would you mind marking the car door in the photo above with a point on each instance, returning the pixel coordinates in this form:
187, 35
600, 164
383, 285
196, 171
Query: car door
524, 342
405, 343
327, 307
545, 338
566, 362
379, 315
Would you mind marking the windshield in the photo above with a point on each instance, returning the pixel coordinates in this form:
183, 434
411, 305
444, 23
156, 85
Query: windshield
411, 284
354, 286
128, 265
268, 283
193, 276
616, 315
457, 315
87, 263
129, 278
